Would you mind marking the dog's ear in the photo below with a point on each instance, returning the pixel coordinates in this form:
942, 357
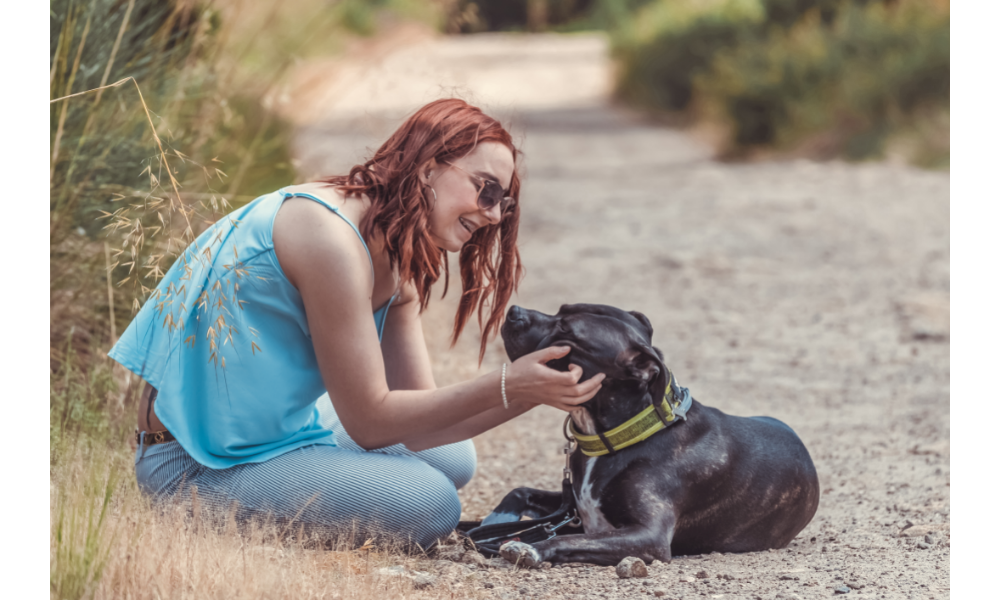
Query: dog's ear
647, 366
645, 322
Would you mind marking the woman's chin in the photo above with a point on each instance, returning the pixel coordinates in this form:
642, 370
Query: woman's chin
448, 245
452, 243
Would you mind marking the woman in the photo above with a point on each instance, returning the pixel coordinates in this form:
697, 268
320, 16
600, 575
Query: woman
273, 305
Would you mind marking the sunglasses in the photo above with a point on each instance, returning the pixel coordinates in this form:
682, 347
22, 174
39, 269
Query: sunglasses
490, 192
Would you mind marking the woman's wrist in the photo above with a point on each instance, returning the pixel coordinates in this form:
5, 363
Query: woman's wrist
503, 385
500, 381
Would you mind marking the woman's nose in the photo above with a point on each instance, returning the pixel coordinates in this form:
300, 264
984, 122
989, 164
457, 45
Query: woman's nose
493, 215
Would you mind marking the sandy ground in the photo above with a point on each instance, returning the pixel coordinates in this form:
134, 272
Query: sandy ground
817, 293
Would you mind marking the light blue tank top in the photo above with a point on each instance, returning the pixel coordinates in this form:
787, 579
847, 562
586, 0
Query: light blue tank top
227, 300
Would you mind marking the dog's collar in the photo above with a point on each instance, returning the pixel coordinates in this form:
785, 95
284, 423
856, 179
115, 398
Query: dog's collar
653, 418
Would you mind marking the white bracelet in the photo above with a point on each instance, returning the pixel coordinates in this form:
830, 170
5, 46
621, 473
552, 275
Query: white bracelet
503, 385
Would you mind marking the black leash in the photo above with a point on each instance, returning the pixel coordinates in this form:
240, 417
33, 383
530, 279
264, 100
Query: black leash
488, 538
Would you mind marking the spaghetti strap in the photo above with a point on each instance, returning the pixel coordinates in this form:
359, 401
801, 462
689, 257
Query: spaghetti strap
380, 316
337, 212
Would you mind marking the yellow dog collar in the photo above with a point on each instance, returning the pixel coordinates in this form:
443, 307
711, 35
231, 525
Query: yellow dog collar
636, 429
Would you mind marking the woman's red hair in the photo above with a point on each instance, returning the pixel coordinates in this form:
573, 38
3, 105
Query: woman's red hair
490, 265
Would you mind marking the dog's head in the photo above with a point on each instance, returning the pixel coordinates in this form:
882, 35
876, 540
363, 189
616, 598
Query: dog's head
602, 339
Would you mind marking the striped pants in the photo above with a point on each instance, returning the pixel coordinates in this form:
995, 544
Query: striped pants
327, 490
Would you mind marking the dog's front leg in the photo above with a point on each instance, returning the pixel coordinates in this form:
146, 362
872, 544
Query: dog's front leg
647, 541
524, 502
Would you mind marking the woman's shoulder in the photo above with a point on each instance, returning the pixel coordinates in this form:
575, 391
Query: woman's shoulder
352, 208
316, 188
307, 234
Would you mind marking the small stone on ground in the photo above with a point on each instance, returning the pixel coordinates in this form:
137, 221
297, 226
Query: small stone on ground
631, 567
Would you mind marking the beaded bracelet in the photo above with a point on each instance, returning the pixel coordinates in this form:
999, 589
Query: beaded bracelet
503, 385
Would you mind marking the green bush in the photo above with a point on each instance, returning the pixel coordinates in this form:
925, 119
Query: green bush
667, 44
779, 71
363, 17
470, 16
869, 72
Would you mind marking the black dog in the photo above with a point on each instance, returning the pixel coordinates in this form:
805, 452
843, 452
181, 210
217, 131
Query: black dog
700, 482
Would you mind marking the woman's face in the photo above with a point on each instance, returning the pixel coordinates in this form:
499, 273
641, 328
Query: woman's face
456, 213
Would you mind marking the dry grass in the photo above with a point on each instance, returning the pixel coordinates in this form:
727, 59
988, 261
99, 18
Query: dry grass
108, 541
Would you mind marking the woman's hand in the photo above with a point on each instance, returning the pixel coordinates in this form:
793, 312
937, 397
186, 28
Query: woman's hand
530, 380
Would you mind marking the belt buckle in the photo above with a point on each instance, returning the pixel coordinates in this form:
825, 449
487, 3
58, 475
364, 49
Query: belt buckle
158, 437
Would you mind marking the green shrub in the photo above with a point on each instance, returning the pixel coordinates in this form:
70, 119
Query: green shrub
469, 16
871, 71
667, 44
363, 17
778, 71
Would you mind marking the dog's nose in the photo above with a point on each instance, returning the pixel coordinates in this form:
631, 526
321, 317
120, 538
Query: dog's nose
517, 315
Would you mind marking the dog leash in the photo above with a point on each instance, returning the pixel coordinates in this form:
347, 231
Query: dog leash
487, 539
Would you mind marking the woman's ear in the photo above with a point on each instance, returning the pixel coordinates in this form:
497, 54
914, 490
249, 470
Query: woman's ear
427, 170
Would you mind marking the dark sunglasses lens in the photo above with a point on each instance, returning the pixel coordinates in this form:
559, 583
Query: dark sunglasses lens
490, 195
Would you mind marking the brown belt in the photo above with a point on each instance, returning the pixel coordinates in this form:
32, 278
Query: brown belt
154, 437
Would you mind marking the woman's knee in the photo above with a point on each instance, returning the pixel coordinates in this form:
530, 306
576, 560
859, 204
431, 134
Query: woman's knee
399, 495
447, 512
463, 463
457, 461
431, 510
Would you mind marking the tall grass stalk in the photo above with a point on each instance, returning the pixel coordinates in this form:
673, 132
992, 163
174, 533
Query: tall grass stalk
108, 541
82, 537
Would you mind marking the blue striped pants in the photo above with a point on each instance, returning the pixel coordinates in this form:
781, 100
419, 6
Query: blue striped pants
326, 490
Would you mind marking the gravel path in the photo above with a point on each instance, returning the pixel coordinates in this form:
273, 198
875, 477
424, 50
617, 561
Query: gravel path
817, 293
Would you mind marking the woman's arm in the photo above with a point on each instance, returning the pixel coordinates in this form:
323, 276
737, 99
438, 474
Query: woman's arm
408, 367
323, 258
470, 427
404, 351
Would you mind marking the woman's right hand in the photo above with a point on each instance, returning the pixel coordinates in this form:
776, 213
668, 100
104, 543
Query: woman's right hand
530, 380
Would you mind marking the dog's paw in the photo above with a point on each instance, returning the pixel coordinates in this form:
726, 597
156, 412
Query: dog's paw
500, 517
521, 554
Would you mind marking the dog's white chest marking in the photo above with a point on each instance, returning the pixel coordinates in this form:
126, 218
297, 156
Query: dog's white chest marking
590, 507
584, 423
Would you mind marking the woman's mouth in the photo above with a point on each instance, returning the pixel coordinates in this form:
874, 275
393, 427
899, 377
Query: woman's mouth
467, 225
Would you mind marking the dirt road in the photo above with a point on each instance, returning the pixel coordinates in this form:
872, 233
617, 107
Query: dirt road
817, 293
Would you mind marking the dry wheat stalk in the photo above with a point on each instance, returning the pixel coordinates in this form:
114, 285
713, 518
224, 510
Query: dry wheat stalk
214, 302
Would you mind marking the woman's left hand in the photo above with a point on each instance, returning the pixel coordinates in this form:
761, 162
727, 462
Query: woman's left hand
531, 380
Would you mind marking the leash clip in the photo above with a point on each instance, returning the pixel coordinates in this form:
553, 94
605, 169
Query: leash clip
571, 519
568, 450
